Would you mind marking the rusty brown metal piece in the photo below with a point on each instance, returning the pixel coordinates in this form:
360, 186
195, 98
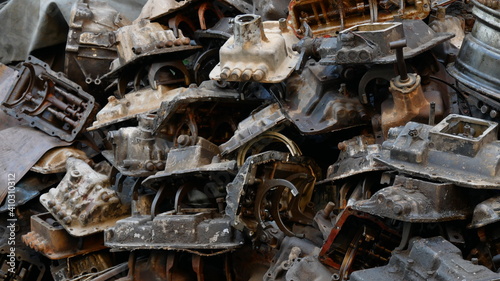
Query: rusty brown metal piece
48, 237
326, 17
409, 103
49, 101
357, 239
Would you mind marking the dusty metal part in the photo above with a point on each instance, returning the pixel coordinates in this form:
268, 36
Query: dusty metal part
82, 266
83, 203
136, 151
271, 183
356, 157
449, 24
258, 51
427, 259
316, 103
413, 200
205, 111
133, 104
486, 213
147, 41
171, 230
460, 150
157, 8
328, 18
14, 142
48, 237
90, 45
358, 239
369, 43
477, 68
254, 125
289, 262
54, 161
201, 157
49, 101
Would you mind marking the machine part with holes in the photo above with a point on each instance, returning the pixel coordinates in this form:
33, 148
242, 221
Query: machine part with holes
477, 68
54, 161
461, 150
83, 203
78, 267
147, 41
369, 43
258, 51
413, 200
49, 101
288, 260
486, 212
133, 104
203, 229
14, 142
48, 237
206, 111
316, 103
325, 18
427, 259
272, 183
137, 152
201, 157
357, 240
90, 45
254, 125
356, 157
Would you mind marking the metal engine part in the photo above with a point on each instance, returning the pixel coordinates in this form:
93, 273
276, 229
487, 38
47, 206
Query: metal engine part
356, 240
427, 259
356, 157
201, 157
133, 104
258, 51
486, 213
273, 185
477, 68
414, 200
316, 101
170, 230
136, 151
460, 150
370, 42
54, 161
147, 40
48, 237
83, 203
90, 45
49, 101
328, 18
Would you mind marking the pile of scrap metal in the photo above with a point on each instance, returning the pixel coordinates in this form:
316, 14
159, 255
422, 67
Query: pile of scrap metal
256, 140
